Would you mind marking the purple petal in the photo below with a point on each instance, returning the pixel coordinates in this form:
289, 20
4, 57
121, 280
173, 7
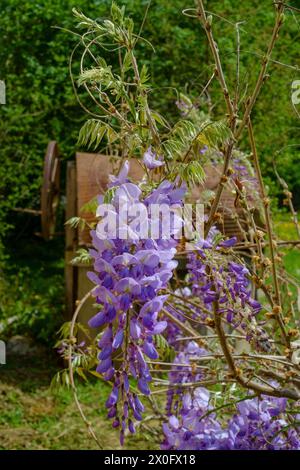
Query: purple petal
111, 313
143, 387
112, 412
113, 397
126, 382
98, 320
148, 321
126, 259
122, 176
103, 266
174, 422
148, 258
106, 352
139, 405
150, 350
104, 366
118, 340
93, 277
131, 427
159, 327
127, 284
137, 415
104, 295
116, 423
135, 329
150, 160
109, 374
228, 243
154, 305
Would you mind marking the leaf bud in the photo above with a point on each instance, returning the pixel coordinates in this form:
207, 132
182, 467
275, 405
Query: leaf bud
277, 309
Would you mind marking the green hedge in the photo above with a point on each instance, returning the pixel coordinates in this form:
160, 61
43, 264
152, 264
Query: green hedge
41, 104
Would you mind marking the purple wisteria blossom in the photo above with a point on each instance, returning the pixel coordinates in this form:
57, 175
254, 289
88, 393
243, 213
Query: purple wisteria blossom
183, 373
244, 173
215, 277
129, 275
150, 159
258, 424
122, 176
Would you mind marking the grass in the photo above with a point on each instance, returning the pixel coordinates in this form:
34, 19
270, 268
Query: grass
32, 416
292, 262
285, 230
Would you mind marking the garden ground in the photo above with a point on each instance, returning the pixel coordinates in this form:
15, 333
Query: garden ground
32, 416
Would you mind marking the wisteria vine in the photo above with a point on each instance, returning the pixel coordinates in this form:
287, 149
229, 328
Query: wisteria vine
207, 327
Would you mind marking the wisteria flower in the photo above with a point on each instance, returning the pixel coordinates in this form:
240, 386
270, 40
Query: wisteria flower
150, 159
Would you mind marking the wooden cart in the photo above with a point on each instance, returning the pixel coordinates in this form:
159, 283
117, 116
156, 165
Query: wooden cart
50, 191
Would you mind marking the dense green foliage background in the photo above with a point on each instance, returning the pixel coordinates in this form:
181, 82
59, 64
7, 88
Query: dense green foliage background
41, 104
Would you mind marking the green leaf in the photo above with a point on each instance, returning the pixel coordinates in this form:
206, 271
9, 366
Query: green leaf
108, 196
144, 76
180, 140
166, 352
129, 25
111, 135
127, 64
92, 133
76, 222
84, 20
160, 119
90, 206
60, 380
191, 172
81, 373
117, 13
215, 134
83, 257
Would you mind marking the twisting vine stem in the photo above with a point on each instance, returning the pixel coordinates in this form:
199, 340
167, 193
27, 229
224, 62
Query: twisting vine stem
266, 204
231, 109
71, 374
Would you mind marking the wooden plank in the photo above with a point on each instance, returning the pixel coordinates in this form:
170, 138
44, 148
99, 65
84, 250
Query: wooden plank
92, 177
71, 205
70, 241
87, 310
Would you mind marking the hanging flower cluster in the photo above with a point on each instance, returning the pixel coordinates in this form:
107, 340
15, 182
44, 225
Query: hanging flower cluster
216, 278
191, 430
243, 175
130, 272
183, 374
259, 424
193, 424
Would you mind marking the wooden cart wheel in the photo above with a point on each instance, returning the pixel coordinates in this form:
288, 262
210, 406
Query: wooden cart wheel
50, 190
